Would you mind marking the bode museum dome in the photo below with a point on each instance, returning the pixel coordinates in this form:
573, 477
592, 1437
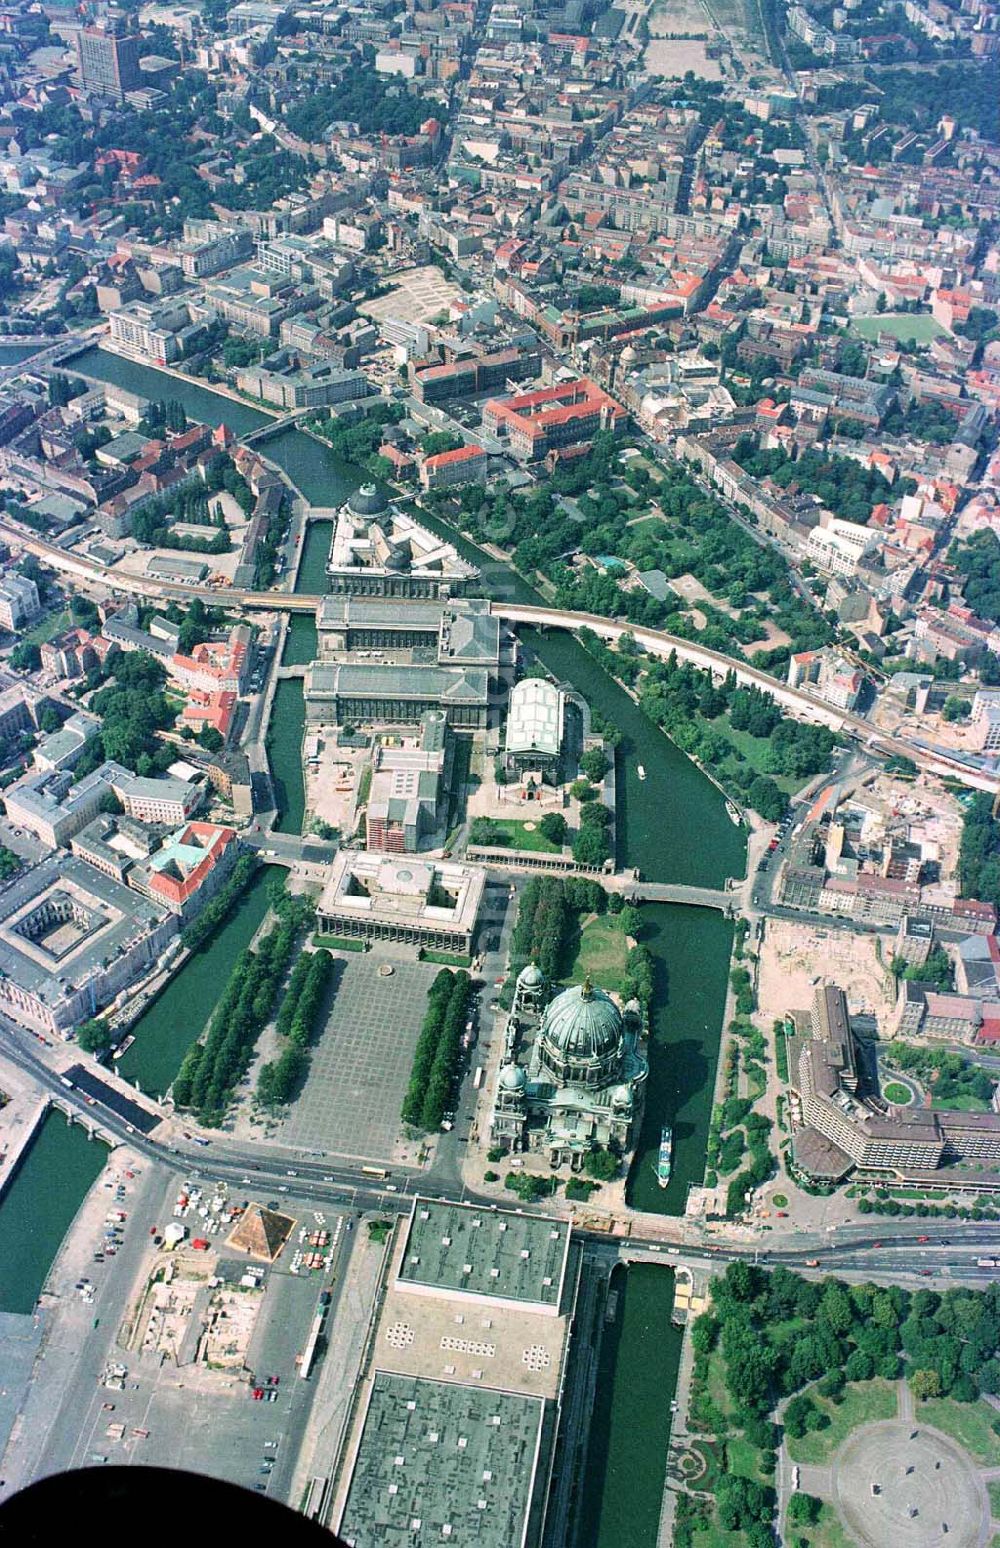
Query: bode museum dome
573, 1074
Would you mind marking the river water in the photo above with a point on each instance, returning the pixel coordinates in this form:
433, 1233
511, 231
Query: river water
35, 1215
13, 354
176, 1017
673, 826
630, 1427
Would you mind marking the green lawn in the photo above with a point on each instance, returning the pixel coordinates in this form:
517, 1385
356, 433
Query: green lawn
895, 1092
526, 835
968, 1423
960, 1104
994, 1492
902, 325
48, 628
827, 1533
864, 1401
602, 954
744, 1460
753, 749
446, 958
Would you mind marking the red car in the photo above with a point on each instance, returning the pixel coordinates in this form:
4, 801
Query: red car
923, 1238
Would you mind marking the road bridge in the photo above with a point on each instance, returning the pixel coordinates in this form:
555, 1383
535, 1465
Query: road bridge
694, 897
274, 427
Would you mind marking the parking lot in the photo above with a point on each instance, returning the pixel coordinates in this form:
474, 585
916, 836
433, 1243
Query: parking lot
361, 1062
207, 1421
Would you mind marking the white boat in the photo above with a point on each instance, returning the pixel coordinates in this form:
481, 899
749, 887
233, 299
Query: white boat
665, 1158
123, 1047
733, 813
641, 772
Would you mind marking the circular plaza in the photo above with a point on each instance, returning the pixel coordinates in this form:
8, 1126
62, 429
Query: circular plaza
899, 1482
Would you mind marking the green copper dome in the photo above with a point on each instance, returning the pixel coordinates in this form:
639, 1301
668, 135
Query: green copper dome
583, 1023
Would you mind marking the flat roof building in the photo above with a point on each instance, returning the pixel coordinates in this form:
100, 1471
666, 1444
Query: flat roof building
459, 1409
379, 897
458, 630
491, 1256
71, 938
439, 1463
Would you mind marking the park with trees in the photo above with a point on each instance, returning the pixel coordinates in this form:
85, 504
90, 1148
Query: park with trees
653, 519
781, 1356
133, 708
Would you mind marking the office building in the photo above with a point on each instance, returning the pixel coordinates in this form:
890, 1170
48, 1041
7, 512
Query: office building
535, 423
109, 62
18, 600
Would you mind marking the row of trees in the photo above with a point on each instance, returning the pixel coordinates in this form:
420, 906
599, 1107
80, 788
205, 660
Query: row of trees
211, 1069
205, 924
438, 1049
162, 415
280, 1079
149, 526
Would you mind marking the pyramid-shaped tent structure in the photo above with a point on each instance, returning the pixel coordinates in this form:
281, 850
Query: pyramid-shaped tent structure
261, 1233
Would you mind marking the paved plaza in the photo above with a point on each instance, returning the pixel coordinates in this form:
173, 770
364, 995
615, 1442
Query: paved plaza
361, 1063
899, 1482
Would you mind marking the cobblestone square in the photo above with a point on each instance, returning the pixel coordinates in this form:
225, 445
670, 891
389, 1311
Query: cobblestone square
361, 1062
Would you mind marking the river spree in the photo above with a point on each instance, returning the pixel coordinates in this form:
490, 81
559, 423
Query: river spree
672, 826
39, 1206
166, 1030
630, 1427
13, 354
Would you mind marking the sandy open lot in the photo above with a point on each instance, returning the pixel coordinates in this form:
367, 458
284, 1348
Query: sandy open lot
419, 295
675, 57
795, 957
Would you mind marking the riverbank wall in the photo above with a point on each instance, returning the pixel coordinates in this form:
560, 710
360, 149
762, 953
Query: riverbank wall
108, 345
15, 1154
